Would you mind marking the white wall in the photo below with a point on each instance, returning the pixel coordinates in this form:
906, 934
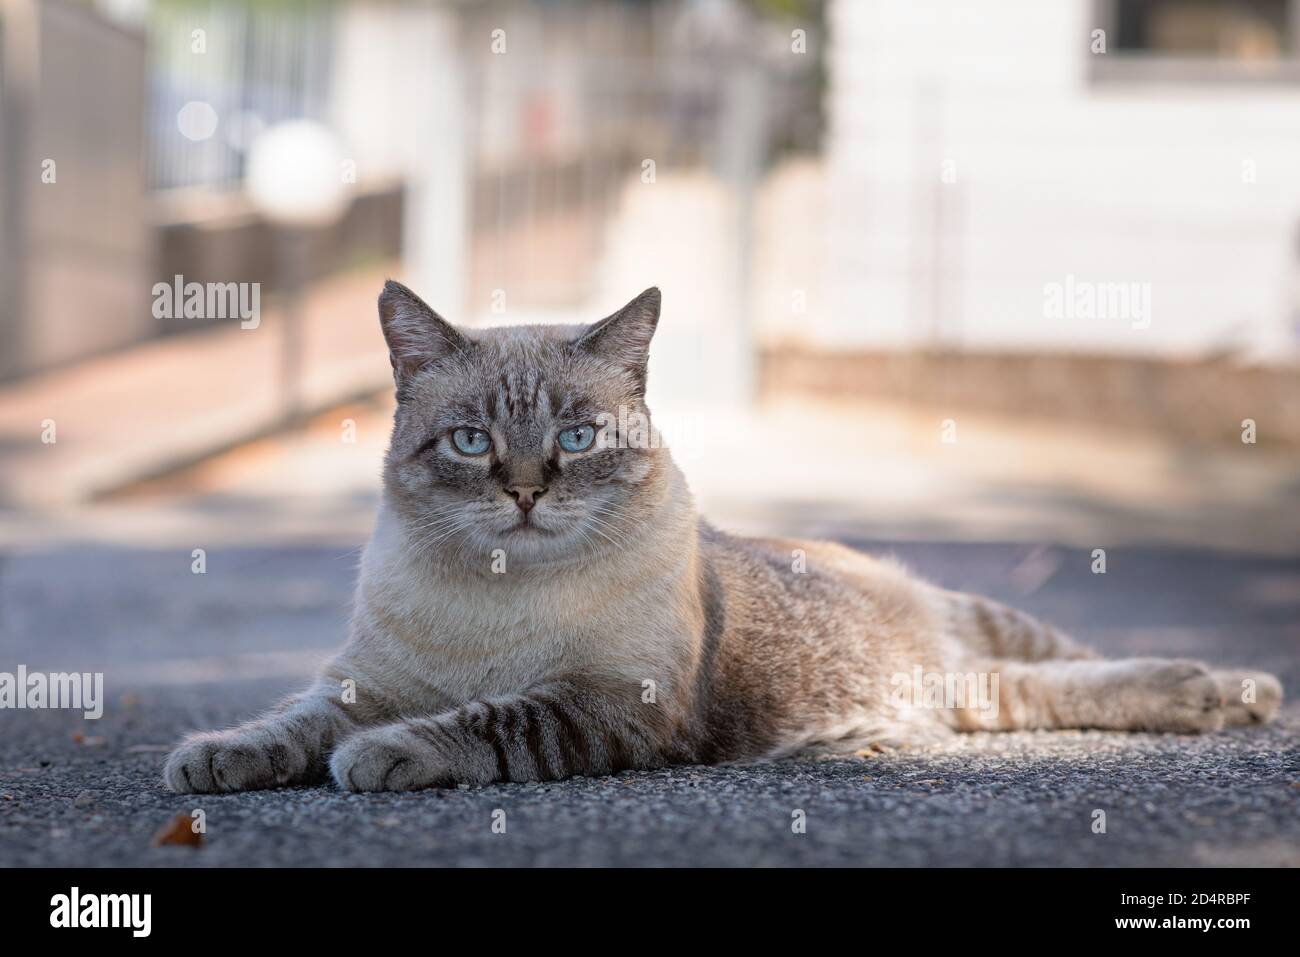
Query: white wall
1055, 175
397, 101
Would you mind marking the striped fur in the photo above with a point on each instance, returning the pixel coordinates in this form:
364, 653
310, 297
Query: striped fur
608, 627
555, 730
993, 630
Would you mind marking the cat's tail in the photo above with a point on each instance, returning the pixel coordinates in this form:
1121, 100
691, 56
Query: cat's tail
991, 629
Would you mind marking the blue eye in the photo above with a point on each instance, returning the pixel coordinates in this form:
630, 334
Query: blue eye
471, 441
577, 439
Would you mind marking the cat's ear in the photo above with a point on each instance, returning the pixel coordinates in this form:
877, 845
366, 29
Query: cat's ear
624, 338
416, 335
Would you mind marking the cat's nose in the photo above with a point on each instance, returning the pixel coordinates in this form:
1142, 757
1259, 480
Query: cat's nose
526, 496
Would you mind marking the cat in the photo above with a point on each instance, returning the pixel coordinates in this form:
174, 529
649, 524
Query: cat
540, 599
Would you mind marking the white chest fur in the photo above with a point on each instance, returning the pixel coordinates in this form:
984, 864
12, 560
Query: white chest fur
439, 637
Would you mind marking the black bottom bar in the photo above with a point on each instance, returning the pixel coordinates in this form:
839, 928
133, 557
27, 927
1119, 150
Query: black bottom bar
333, 906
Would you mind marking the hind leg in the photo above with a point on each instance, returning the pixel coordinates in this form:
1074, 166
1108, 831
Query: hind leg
1047, 680
989, 629
1133, 694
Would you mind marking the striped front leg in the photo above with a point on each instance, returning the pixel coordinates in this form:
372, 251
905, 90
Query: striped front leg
555, 731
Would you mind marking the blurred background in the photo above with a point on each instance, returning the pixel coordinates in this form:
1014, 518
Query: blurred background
1014, 270
1008, 288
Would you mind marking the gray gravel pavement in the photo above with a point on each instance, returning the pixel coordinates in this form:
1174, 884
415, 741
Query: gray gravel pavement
183, 651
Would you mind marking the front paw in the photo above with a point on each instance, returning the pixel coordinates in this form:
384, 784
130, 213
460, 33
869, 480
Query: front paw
391, 758
244, 759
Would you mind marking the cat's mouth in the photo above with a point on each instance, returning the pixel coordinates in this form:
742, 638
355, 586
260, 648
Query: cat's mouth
525, 527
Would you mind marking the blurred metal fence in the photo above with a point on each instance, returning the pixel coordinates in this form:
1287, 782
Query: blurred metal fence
524, 139
253, 65
562, 96
569, 103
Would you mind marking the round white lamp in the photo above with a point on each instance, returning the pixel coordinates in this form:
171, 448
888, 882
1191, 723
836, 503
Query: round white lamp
294, 175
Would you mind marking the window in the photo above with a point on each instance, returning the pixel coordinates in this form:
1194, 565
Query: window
1207, 40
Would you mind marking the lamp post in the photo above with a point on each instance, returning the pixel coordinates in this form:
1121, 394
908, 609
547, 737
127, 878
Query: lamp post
295, 180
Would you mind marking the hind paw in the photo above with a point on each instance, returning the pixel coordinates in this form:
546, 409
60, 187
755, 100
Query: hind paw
1249, 697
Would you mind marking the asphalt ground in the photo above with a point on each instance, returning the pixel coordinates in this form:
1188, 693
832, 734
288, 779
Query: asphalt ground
181, 651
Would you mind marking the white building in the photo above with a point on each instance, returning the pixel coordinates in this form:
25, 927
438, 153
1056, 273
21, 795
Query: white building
986, 158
